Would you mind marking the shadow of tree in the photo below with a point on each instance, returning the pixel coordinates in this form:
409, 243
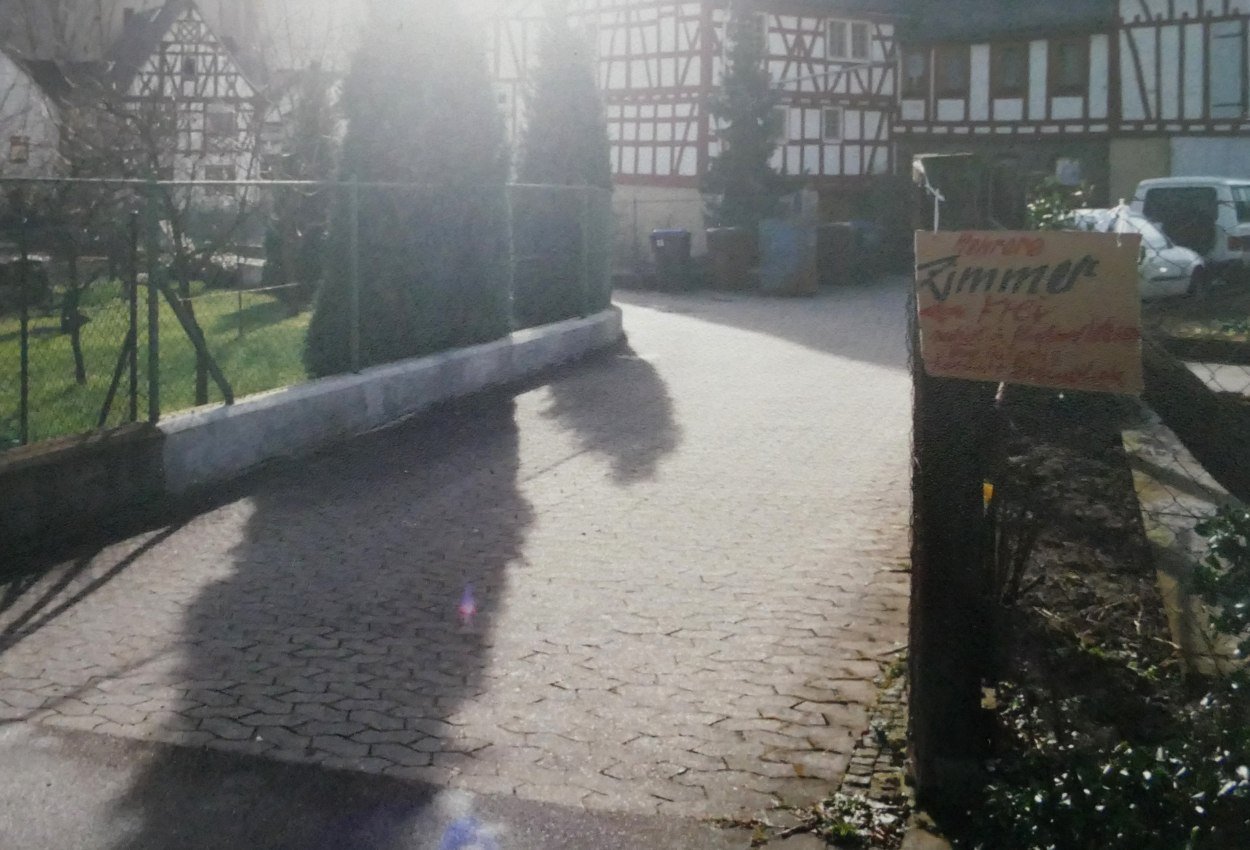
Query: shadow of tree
617, 405
254, 317
356, 619
41, 602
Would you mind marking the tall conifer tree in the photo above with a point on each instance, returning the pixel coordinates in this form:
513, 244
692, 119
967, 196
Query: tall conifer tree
743, 186
420, 110
566, 136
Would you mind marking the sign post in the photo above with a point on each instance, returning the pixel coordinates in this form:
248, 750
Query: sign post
1048, 309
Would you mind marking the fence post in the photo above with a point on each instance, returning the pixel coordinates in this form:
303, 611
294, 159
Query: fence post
354, 281
23, 285
584, 257
133, 309
153, 232
510, 273
637, 245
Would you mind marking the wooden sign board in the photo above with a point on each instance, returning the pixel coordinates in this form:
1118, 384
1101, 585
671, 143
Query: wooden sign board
1049, 309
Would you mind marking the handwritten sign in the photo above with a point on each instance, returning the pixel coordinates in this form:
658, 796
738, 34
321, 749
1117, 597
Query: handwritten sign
1052, 309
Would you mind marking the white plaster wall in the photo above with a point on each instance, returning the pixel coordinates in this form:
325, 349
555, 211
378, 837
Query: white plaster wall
979, 90
951, 109
1066, 108
1194, 49
1170, 55
24, 111
1131, 105
1199, 157
1008, 109
641, 209
1038, 59
1099, 76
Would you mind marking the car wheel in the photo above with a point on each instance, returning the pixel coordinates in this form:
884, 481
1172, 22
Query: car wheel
1199, 284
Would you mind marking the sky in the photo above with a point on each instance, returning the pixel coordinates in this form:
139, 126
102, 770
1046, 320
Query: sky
326, 30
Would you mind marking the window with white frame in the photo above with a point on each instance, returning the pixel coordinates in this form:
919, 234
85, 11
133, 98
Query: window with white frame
831, 124
848, 39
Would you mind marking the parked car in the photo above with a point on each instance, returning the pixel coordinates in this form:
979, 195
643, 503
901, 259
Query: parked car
1164, 269
1210, 215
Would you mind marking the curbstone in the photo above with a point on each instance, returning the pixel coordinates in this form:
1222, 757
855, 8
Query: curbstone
215, 444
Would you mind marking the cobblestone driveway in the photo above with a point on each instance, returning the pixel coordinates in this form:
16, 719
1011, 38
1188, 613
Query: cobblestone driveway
662, 583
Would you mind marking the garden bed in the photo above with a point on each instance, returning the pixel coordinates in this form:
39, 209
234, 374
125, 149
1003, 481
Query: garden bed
1215, 329
1099, 739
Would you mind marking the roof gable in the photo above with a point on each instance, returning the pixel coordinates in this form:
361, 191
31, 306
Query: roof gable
138, 50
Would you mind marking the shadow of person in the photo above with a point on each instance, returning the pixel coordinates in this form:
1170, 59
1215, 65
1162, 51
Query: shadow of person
617, 405
354, 622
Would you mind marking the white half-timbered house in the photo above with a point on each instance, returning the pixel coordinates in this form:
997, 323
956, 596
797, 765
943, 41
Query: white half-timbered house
835, 66
1184, 74
30, 132
658, 62
1028, 84
195, 100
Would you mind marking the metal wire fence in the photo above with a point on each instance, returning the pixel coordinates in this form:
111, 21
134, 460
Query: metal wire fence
124, 301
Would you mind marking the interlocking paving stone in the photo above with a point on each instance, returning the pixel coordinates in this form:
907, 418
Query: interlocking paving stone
662, 583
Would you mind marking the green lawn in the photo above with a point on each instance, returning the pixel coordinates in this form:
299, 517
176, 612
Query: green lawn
266, 356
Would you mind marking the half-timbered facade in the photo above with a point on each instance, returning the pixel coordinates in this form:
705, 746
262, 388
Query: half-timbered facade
196, 110
1028, 84
659, 62
835, 67
1184, 74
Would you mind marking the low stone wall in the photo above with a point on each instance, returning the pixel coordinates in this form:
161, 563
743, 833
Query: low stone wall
60, 491
207, 445
1208, 350
1215, 427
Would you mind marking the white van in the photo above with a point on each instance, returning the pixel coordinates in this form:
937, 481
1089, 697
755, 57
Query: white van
1210, 215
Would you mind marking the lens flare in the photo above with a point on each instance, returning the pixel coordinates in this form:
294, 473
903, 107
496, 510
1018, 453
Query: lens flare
467, 834
468, 606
